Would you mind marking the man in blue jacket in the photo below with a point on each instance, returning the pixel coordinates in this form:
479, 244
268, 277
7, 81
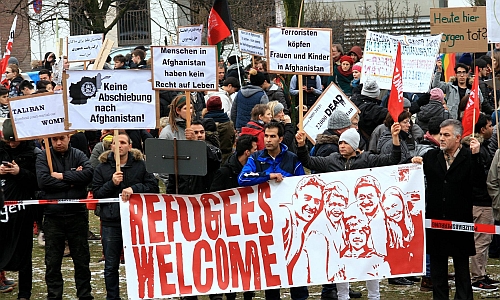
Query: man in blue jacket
108, 182
275, 162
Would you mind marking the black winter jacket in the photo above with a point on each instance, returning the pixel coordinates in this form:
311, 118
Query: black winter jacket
72, 186
326, 143
227, 176
135, 176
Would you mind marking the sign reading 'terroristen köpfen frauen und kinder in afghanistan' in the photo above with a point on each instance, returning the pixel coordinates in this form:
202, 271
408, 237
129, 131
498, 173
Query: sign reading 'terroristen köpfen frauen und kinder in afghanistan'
36, 116
332, 99
418, 54
185, 68
299, 50
84, 47
306, 230
251, 42
110, 99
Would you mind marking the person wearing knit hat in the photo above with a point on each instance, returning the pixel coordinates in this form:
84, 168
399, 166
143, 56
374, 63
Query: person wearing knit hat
342, 75
214, 103
466, 59
356, 53
351, 137
256, 78
371, 89
278, 113
437, 95
356, 75
339, 120
436, 107
225, 127
328, 141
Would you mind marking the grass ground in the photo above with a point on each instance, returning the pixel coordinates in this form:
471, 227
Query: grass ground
99, 291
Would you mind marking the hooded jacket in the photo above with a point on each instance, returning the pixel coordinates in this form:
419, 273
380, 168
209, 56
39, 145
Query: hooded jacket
246, 99
433, 109
168, 134
135, 176
326, 143
384, 145
255, 128
275, 93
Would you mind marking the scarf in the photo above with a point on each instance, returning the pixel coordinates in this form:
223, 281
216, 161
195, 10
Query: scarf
344, 73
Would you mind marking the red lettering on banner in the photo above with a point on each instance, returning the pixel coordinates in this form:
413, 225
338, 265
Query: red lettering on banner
229, 209
248, 207
153, 217
183, 288
145, 271
222, 264
266, 221
171, 216
185, 221
136, 226
245, 269
269, 259
165, 268
211, 216
197, 265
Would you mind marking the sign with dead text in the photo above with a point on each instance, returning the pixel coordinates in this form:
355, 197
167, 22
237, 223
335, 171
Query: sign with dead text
306, 230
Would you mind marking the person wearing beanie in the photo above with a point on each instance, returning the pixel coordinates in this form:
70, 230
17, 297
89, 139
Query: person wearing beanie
466, 59
16, 231
342, 75
233, 64
230, 86
249, 96
225, 126
384, 145
436, 108
355, 53
371, 89
278, 113
328, 141
356, 75
311, 88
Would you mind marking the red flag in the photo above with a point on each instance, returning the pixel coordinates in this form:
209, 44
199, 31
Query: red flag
395, 105
219, 22
8, 48
471, 112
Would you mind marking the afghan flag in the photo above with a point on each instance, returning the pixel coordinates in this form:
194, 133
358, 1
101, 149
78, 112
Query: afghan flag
396, 100
220, 23
448, 63
471, 112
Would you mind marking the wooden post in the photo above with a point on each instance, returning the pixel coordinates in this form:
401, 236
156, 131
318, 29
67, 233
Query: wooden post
301, 101
495, 95
253, 61
85, 65
49, 155
188, 109
117, 151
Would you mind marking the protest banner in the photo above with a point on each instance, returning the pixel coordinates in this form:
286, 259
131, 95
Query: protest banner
37, 116
493, 21
189, 35
109, 99
189, 68
332, 99
463, 28
251, 42
418, 60
299, 51
83, 47
302, 231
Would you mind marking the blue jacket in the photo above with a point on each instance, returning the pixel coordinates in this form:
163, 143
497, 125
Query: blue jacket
246, 99
260, 165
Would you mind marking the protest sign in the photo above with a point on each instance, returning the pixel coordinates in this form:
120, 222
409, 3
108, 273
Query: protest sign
251, 42
188, 68
84, 47
332, 99
418, 59
463, 28
37, 116
493, 21
110, 99
302, 231
299, 51
189, 35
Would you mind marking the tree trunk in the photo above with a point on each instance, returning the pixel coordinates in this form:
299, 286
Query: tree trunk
292, 11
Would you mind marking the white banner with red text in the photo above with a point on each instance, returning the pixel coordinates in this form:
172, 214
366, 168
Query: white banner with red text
308, 230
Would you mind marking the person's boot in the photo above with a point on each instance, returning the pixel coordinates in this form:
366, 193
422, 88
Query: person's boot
5, 281
248, 295
354, 294
426, 284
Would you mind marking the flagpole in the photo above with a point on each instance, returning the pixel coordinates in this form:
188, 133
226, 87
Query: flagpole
237, 58
474, 120
495, 95
300, 82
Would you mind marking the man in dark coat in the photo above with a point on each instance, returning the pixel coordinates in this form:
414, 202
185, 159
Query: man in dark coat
17, 174
108, 183
451, 172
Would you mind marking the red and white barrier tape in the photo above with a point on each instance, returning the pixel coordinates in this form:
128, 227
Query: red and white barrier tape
61, 201
462, 226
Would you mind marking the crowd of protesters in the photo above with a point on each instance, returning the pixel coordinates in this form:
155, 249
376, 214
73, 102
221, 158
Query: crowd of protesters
247, 127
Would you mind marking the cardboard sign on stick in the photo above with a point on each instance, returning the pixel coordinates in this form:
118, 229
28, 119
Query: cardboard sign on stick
84, 47
189, 35
251, 42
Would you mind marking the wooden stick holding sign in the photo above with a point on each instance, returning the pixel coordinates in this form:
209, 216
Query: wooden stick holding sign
188, 109
49, 155
300, 83
117, 150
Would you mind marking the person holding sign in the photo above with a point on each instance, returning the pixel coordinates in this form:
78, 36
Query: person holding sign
311, 88
108, 183
176, 120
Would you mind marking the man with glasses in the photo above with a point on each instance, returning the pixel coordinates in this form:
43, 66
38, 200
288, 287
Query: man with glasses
456, 88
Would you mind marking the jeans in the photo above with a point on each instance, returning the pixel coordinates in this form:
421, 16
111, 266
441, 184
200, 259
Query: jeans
57, 230
296, 293
427, 265
112, 245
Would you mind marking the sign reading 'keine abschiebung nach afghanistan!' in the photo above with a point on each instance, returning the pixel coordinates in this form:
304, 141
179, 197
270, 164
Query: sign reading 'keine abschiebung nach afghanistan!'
110, 99
299, 51
185, 68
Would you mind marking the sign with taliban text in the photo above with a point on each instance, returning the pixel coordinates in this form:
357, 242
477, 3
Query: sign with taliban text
332, 99
299, 51
110, 99
37, 116
464, 28
185, 68
307, 230
418, 54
